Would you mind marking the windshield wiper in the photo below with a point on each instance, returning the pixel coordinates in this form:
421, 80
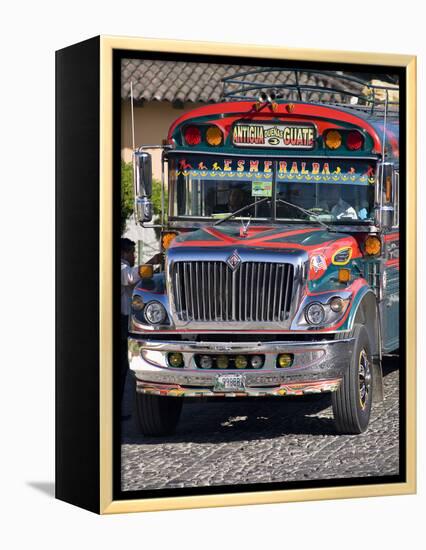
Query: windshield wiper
241, 210
310, 214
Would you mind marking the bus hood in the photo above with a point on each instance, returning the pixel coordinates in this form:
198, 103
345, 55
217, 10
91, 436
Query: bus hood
320, 247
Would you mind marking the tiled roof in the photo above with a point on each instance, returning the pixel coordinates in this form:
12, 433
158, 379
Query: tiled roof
202, 82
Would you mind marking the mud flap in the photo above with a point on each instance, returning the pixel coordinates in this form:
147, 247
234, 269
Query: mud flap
378, 386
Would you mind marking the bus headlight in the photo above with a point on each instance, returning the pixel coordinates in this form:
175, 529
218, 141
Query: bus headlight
206, 362
155, 313
337, 304
315, 314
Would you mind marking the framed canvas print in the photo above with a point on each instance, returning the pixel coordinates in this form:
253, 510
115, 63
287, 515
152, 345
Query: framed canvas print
235, 274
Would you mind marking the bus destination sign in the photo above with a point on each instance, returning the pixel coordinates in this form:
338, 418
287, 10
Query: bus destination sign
280, 136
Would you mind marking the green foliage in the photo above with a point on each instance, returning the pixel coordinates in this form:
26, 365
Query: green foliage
127, 196
156, 200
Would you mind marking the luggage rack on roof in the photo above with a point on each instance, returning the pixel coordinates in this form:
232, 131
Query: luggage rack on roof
360, 95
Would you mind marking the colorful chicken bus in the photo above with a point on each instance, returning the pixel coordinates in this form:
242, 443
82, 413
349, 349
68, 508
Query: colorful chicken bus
280, 272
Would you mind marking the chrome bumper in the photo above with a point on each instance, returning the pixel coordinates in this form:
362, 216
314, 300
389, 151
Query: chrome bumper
317, 367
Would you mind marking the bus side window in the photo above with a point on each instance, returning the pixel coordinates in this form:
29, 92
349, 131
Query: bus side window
180, 195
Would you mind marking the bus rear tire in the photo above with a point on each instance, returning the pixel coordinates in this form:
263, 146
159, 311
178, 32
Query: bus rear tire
158, 415
353, 400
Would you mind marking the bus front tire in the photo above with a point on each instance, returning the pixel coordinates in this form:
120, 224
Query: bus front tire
353, 400
158, 415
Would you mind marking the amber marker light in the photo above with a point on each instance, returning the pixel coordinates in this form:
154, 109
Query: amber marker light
333, 139
285, 360
240, 362
372, 246
388, 188
137, 303
176, 360
146, 271
214, 136
167, 238
344, 275
222, 362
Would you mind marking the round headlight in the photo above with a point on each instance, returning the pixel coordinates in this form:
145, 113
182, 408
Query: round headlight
137, 303
206, 362
155, 313
336, 305
256, 361
315, 314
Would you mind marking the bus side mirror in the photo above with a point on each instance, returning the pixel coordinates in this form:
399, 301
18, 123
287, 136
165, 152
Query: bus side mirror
143, 209
386, 193
143, 191
384, 217
144, 174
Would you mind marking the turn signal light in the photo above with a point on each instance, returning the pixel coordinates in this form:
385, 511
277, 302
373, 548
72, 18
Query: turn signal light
137, 303
146, 271
192, 135
333, 139
214, 136
167, 238
372, 246
344, 275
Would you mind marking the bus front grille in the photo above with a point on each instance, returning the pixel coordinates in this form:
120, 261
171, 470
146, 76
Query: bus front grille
211, 291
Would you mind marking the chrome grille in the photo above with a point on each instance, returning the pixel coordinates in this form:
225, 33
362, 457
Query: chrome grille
211, 291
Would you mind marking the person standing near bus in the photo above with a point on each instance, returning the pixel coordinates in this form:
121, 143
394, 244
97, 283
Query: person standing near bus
129, 277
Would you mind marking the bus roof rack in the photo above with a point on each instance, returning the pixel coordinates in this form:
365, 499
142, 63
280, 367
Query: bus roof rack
374, 98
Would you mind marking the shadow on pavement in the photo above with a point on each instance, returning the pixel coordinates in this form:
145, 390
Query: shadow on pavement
232, 421
247, 419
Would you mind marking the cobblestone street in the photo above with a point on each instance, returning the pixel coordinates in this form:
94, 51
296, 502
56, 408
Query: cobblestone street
263, 440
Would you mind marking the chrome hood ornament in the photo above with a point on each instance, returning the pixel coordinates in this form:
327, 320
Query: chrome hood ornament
244, 231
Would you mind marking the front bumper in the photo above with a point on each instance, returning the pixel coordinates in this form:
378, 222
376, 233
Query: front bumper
317, 367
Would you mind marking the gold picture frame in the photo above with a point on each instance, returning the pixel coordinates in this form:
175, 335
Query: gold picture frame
107, 46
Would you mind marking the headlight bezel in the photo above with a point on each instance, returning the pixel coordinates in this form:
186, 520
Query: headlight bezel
331, 316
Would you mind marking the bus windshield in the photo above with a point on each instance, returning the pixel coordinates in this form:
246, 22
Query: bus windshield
334, 191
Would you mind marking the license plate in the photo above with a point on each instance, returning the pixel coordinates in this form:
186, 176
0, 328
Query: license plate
229, 382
